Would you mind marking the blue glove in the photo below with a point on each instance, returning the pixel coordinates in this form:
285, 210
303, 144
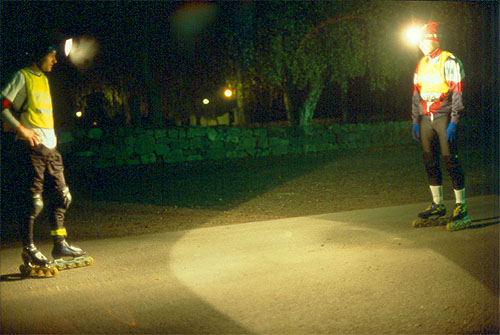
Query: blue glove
415, 132
451, 132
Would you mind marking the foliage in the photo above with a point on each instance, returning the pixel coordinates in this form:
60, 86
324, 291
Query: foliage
300, 47
278, 55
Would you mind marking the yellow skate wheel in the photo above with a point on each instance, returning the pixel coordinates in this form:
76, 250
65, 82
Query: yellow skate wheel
32, 272
90, 261
52, 272
40, 273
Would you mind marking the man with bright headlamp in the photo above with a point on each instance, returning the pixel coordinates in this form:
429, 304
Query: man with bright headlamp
437, 105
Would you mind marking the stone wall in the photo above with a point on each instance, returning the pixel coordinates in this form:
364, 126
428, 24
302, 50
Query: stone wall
127, 146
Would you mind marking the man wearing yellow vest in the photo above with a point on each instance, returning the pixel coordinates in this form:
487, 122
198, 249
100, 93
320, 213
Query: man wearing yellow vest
436, 109
27, 110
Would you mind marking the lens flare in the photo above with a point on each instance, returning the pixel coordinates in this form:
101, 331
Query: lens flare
83, 51
189, 20
413, 35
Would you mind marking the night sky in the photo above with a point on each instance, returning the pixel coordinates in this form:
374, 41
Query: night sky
186, 47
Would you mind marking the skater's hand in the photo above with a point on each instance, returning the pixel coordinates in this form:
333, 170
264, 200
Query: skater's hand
451, 132
29, 135
415, 132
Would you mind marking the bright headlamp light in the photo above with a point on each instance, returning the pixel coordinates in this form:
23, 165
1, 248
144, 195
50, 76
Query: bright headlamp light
414, 35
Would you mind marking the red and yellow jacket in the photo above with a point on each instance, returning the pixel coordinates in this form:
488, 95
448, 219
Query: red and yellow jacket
437, 87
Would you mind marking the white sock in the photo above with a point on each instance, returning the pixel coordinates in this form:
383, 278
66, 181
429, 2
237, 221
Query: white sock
437, 194
460, 196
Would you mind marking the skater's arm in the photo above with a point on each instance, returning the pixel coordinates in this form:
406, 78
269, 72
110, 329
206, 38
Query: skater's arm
23, 132
29, 135
7, 115
454, 74
13, 97
416, 108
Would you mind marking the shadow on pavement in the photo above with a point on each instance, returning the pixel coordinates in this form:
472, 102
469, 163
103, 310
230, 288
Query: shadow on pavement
482, 223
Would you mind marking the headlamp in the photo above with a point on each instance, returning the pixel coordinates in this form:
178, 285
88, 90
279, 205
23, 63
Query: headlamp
414, 35
68, 45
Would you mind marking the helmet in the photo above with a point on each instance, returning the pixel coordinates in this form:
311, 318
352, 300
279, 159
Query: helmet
37, 47
430, 32
41, 51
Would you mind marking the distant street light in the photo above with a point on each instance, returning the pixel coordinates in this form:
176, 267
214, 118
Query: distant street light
79, 114
206, 101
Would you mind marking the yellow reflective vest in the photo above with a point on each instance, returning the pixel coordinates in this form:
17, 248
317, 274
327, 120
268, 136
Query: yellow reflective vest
431, 77
39, 101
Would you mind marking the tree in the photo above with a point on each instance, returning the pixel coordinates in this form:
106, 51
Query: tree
280, 27
331, 53
300, 47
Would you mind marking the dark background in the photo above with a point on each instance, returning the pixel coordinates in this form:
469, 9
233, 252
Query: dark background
195, 61
237, 190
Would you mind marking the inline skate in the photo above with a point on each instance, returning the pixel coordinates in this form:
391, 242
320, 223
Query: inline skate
459, 219
36, 264
67, 256
434, 215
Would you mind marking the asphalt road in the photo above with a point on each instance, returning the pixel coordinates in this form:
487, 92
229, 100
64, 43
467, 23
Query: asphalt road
363, 272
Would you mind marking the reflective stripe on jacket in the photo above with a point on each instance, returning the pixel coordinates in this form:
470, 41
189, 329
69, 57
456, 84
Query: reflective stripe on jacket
431, 78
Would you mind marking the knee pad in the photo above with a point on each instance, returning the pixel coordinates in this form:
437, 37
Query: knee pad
37, 205
430, 159
451, 161
455, 171
432, 168
66, 198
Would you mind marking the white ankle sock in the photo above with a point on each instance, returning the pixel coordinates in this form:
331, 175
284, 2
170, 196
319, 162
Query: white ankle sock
437, 194
460, 196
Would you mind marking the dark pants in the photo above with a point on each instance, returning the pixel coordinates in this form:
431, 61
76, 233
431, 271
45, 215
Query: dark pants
44, 168
433, 139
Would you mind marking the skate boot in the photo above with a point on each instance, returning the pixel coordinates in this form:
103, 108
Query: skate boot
35, 263
67, 256
459, 219
434, 215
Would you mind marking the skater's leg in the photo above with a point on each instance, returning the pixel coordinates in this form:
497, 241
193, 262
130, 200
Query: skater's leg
429, 142
451, 160
437, 194
61, 203
432, 215
60, 195
460, 196
457, 177
28, 227
34, 181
